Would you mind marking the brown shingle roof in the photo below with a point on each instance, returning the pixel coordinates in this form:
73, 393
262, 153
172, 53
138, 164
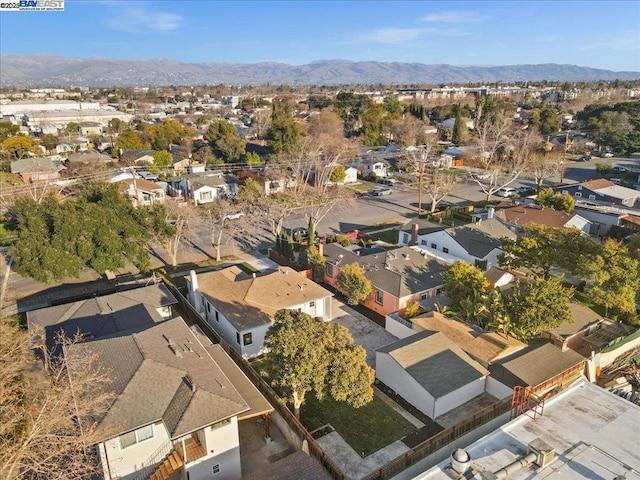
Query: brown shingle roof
247, 301
597, 184
486, 347
523, 215
139, 183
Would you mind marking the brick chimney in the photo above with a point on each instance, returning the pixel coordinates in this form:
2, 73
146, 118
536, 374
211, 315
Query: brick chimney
414, 234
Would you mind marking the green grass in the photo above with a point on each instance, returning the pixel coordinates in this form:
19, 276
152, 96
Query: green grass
366, 429
379, 226
389, 236
362, 187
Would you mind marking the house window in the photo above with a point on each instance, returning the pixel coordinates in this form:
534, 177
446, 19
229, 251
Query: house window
579, 187
312, 304
205, 196
217, 316
379, 297
423, 242
434, 246
247, 338
438, 291
565, 192
578, 195
445, 250
481, 264
592, 197
137, 436
208, 307
406, 238
238, 337
215, 469
423, 296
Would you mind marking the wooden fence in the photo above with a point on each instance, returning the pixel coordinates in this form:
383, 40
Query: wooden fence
439, 440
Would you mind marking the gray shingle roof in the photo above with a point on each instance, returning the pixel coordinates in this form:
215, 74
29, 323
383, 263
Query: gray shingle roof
171, 377
435, 362
479, 239
400, 272
534, 365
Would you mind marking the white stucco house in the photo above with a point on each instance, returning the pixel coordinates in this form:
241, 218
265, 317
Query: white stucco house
176, 402
351, 175
431, 372
206, 187
240, 307
367, 166
476, 243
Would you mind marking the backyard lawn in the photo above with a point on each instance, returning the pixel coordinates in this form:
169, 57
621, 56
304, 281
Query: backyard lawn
366, 429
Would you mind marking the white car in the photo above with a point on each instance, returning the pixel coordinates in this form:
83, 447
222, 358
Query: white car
607, 155
234, 216
507, 192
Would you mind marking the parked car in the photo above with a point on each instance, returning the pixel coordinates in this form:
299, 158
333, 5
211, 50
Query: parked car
525, 190
481, 175
388, 181
507, 192
619, 169
234, 216
584, 158
606, 154
382, 191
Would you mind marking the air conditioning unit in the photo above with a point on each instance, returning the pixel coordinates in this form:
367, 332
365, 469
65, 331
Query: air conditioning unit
544, 453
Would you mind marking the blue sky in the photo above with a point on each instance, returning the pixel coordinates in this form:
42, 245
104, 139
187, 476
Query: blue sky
600, 34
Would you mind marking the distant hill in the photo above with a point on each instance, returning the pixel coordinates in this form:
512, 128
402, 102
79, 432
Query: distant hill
49, 71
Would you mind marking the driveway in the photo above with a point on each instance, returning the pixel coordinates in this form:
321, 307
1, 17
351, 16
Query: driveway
365, 332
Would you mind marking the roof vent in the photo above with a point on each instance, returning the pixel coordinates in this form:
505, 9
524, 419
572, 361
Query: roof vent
460, 461
301, 286
190, 383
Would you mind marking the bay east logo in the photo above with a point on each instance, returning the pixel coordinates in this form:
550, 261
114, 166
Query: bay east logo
32, 5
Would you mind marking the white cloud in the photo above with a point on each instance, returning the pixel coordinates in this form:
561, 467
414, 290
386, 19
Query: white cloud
141, 19
454, 16
392, 35
625, 42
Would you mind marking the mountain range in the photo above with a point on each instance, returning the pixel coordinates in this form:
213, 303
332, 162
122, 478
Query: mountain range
58, 71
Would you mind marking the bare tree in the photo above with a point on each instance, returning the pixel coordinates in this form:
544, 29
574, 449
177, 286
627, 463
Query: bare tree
543, 165
438, 184
223, 216
418, 161
177, 222
502, 153
48, 423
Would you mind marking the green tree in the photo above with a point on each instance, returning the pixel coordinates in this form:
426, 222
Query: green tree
309, 355
225, 141
353, 283
540, 248
21, 146
615, 279
538, 305
555, 200
169, 132
49, 141
252, 159
99, 230
338, 174
162, 159
8, 129
461, 280
72, 127
130, 140
546, 120
285, 132
312, 259
459, 129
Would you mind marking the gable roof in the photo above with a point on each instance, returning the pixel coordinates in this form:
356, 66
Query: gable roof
435, 362
481, 238
581, 317
162, 373
537, 363
139, 183
610, 189
483, 346
399, 272
248, 301
524, 214
33, 164
129, 310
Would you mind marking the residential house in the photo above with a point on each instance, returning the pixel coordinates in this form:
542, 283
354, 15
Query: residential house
90, 157
272, 180
240, 307
206, 187
484, 347
142, 192
351, 175
137, 157
90, 128
36, 169
542, 366
520, 215
177, 403
430, 372
630, 222
371, 166
477, 243
399, 277
601, 192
